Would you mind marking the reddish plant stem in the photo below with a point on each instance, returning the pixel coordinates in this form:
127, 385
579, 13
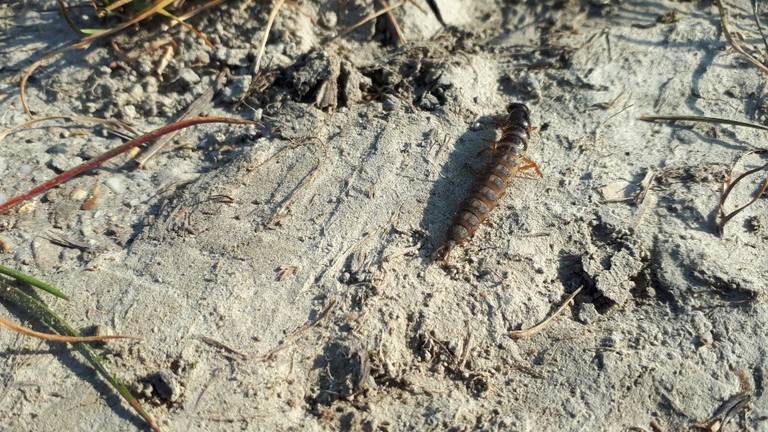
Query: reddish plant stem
96, 162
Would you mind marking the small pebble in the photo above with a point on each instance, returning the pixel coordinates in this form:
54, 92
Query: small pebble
5, 246
237, 87
136, 91
129, 112
62, 162
116, 184
203, 57
188, 77
56, 149
329, 19
166, 386
428, 102
98, 330
390, 103
587, 313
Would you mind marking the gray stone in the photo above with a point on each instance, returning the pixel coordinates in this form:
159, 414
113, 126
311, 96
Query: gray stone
188, 78
166, 386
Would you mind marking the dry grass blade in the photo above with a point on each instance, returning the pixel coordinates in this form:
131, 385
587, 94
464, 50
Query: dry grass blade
117, 4
756, 15
296, 333
187, 26
516, 334
29, 71
369, 18
197, 10
701, 119
57, 338
729, 185
116, 124
146, 13
270, 21
729, 37
96, 162
65, 14
394, 25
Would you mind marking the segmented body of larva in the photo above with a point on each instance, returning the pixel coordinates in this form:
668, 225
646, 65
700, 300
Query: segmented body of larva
508, 159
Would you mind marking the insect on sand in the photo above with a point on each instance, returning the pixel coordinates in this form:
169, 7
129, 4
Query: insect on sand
508, 160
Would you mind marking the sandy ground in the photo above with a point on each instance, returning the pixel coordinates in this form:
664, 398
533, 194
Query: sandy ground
281, 274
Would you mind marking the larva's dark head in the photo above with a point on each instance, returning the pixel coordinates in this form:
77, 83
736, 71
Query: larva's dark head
519, 114
517, 107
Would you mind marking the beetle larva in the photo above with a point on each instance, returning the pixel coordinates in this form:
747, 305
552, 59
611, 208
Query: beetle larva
509, 158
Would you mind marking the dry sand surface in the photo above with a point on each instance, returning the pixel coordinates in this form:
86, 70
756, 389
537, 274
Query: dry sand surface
281, 273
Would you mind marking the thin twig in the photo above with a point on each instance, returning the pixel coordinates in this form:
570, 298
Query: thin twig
645, 186
305, 182
270, 21
96, 162
394, 24
701, 119
197, 10
294, 334
729, 185
28, 72
756, 14
516, 334
65, 14
725, 412
222, 346
57, 338
729, 37
75, 119
368, 18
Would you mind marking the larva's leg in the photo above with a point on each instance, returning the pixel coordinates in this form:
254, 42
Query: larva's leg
528, 165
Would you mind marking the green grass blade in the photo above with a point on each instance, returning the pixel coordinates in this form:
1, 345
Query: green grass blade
32, 281
40, 311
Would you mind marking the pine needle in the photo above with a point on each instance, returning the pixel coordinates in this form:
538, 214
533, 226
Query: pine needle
57, 338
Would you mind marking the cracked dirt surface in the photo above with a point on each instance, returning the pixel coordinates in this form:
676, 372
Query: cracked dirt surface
281, 274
